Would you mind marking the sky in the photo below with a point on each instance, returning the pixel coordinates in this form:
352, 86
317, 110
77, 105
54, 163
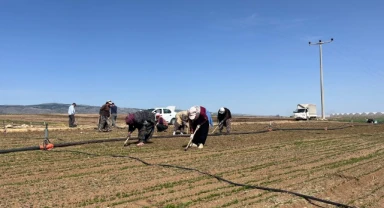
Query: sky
252, 57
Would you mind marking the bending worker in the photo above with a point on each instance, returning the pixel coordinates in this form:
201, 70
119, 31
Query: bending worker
144, 121
181, 122
224, 119
198, 126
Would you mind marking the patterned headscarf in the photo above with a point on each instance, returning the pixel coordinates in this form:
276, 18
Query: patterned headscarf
129, 119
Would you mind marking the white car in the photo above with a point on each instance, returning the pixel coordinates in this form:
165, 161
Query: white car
168, 113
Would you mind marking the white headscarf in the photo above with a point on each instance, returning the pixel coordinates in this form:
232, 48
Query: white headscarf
194, 112
221, 110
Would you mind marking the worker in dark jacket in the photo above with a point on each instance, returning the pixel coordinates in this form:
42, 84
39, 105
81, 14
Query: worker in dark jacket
144, 121
104, 116
198, 126
224, 119
113, 108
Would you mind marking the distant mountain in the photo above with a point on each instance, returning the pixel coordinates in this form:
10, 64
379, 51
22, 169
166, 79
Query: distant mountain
47, 108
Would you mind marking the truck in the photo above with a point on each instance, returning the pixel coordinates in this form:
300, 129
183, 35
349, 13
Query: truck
168, 113
305, 112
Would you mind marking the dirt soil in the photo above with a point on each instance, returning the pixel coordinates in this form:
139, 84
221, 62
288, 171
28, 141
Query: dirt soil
343, 166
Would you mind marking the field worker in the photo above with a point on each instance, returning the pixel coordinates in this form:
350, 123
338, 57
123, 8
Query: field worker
104, 116
181, 122
71, 115
144, 121
198, 119
210, 121
161, 124
224, 119
113, 108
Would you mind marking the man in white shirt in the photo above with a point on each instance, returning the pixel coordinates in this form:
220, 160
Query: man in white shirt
71, 115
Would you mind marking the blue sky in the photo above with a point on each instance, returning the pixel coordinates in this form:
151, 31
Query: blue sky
250, 56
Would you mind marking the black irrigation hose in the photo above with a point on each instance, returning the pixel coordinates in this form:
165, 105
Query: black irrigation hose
3, 151
306, 197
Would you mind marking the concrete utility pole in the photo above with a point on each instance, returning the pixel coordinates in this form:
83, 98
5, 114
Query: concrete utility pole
320, 43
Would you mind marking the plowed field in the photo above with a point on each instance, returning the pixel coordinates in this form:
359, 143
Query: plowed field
343, 166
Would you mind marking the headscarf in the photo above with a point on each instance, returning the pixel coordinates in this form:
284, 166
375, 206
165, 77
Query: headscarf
129, 119
194, 112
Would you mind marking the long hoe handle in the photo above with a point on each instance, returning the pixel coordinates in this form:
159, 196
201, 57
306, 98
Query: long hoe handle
214, 130
217, 127
126, 141
190, 141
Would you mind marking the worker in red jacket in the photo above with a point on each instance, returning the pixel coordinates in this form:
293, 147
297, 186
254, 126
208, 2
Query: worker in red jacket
198, 126
161, 124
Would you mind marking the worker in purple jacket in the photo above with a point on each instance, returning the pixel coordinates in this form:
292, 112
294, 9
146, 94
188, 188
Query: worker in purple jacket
198, 126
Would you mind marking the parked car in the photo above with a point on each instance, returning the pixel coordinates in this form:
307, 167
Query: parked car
168, 113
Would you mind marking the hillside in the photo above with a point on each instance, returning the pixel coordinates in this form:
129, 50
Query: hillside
48, 108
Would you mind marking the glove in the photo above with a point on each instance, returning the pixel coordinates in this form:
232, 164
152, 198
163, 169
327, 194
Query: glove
174, 133
191, 136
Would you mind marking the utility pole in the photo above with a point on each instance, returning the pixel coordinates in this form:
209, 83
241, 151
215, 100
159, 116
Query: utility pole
320, 43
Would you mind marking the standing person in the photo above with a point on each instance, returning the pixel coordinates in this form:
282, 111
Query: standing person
198, 119
181, 122
113, 114
71, 115
224, 119
104, 116
161, 124
144, 121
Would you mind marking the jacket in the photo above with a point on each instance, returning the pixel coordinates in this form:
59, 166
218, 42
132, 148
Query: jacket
139, 119
226, 115
210, 118
181, 117
113, 109
104, 110
162, 121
